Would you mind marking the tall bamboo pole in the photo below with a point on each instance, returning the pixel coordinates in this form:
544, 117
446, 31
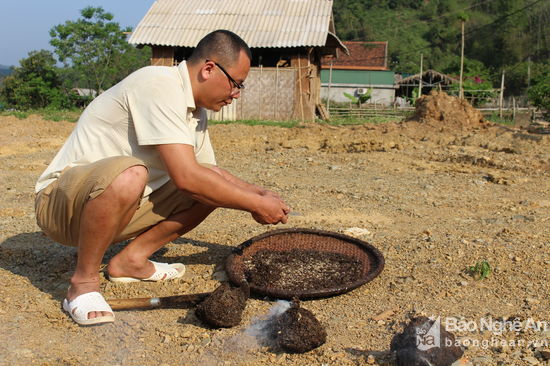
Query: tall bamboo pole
461, 88
528, 72
420, 82
528, 79
329, 84
501, 98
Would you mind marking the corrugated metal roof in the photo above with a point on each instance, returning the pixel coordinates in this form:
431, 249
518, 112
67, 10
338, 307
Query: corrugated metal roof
261, 23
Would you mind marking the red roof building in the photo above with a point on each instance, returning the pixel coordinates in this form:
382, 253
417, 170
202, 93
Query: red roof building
362, 56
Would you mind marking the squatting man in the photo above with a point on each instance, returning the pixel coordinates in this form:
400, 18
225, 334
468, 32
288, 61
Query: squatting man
139, 164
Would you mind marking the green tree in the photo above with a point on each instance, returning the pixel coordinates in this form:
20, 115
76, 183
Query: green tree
351, 17
477, 85
94, 50
500, 33
35, 84
539, 93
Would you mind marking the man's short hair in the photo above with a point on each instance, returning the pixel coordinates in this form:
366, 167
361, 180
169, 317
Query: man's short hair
222, 46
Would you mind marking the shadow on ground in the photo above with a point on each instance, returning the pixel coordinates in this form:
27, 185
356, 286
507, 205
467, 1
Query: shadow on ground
49, 265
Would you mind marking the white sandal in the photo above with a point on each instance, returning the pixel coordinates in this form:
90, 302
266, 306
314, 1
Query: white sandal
84, 304
163, 272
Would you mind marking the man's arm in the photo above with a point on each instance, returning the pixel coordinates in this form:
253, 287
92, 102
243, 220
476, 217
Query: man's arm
219, 190
241, 183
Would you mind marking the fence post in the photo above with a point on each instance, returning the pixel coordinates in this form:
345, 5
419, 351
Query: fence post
514, 109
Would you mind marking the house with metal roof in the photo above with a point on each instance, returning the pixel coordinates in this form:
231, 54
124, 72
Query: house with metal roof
364, 70
288, 39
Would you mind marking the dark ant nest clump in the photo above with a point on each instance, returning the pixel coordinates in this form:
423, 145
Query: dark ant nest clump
297, 330
423, 344
301, 270
224, 307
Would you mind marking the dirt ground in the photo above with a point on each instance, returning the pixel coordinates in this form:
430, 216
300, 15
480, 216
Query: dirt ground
435, 195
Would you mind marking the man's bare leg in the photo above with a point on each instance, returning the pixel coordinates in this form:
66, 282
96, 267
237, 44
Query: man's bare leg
102, 219
133, 261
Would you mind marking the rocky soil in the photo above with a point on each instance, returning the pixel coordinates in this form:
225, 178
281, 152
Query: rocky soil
435, 195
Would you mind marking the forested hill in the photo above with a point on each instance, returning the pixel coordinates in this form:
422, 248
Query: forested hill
499, 34
4, 70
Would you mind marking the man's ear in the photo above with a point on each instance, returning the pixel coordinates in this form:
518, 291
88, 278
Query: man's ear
207, 70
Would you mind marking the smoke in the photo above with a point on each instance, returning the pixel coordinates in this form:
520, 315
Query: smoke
260, 327
244, 345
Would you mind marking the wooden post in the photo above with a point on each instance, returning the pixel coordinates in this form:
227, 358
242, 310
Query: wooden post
420, 81
461, 88
276, 90
300, 88
239, 111
329, 84
306, 98
260, 106
501, 98
313, 99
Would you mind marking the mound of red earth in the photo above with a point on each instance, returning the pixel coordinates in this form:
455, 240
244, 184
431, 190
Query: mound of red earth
443, 110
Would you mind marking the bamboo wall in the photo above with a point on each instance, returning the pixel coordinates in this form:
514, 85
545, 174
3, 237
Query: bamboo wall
162, 56
269, 95
272, 93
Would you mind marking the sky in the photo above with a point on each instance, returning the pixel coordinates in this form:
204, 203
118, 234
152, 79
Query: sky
25, 24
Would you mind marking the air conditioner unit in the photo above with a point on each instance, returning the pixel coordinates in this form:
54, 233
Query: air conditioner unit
361, 91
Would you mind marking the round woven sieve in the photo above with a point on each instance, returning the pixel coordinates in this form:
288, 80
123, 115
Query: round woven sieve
372, 261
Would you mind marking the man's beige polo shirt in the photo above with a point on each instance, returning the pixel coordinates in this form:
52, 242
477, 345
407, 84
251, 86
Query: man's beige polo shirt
152, 106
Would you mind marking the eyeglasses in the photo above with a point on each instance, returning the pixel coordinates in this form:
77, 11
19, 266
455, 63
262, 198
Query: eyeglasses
236, 85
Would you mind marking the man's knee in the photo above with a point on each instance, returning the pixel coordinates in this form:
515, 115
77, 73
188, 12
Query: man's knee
131, 182
137, 171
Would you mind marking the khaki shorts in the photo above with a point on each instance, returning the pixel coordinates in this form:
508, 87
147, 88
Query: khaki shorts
59, 206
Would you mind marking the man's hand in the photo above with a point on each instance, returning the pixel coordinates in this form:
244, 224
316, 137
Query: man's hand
266, 192
266, 215
272, 211
217, 187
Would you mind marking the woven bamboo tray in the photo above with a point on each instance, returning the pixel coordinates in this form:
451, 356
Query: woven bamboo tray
372, 261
